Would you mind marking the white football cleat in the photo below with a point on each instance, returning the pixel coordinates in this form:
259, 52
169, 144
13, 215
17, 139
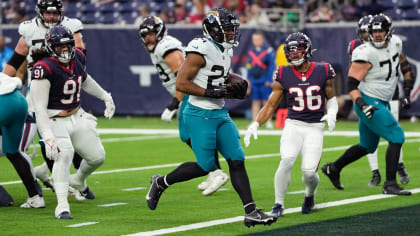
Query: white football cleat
219, 178
206, 183
34, 202
76, 194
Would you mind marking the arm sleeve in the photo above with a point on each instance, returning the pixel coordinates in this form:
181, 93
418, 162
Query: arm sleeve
94, 89
39, 94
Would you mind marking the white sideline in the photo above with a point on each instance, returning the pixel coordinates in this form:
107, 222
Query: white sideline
221, 159
286, 211
113, 204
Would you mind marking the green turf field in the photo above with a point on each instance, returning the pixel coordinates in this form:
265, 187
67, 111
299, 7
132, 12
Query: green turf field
183, 204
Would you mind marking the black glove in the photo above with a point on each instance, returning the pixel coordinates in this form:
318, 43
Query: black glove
238, 90
368, 110
215, 92
173, 105
405, 102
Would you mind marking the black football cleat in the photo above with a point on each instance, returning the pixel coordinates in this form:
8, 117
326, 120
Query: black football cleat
277, 211
334, 175
258, 217
65, 215
88, 193
155, 191
392, 188
404, 178
376, 179
308, 205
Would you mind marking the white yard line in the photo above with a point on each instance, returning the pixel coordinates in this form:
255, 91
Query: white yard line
113, 204
133, 189
241, 218
221, 159
81, 224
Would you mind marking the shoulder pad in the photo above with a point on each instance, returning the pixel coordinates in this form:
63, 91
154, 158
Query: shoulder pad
41, 70
166, 44
26, 27
73, 24
361, 53
198, 45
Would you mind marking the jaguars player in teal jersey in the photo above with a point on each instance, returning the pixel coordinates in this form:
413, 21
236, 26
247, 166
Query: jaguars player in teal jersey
166, 53
203, 75
12, 118
373, 77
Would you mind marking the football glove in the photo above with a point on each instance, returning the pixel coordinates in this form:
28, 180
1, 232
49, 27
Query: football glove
251, 131
368, 110
168, 115
238, 90
109, 107
331, 119
215, 92
331, 116
405, 102
51, 149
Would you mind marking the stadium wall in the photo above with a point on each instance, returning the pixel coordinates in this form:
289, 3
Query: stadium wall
118, 61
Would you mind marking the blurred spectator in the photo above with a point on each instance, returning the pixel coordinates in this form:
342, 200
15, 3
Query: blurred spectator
260, 72
15, 14
235, 6
349, 12
5, 53
198, 12
242, 18
143, 13
257, 17
324, 14
166, 16
292, 17
181, 15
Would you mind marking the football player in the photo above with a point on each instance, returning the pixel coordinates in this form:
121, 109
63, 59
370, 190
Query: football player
49, 13
12, 117
167, 56
372, 79
65, 127
362, 32
202, 75
308, 87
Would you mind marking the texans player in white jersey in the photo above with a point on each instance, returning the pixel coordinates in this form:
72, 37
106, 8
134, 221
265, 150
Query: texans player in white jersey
167, 56
49, 13
372, 79
306, 85
66, 128
203, 75
362, 32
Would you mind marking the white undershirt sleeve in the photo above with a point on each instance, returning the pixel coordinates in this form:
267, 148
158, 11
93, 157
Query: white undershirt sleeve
40, 90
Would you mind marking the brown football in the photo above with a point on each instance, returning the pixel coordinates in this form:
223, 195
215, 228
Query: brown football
234, 78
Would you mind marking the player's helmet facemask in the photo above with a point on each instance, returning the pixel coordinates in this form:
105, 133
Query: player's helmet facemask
50, 6
60, 44
363, 27
222, 27
148, 25
297, 43
380, 22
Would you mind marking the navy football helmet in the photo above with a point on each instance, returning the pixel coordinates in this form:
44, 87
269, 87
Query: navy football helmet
380, 22
363, 27
152, 24
60, 43
298, 42
43, 6
222, 27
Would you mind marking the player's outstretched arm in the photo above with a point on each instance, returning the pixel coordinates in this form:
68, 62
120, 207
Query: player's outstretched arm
332, 106
94, 89
40, 94
265, 113
18, 57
